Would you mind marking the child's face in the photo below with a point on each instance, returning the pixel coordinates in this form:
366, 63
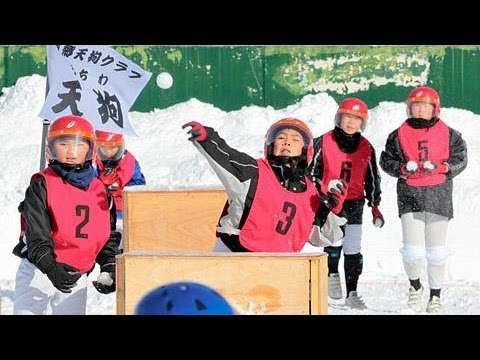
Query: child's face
350, 123
288, 142
71, 150
422, 110
108, 152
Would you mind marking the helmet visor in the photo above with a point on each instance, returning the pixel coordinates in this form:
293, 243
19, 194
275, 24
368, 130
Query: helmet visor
70, 149
111, 152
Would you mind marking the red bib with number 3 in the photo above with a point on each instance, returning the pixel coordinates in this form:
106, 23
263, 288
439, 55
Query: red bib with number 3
279, 220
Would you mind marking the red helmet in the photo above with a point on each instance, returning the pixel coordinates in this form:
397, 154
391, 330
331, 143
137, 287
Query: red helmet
107, 139
424, 94
290, 123
71, 126
352, 106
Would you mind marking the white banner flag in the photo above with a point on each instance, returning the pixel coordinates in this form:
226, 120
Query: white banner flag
95, 82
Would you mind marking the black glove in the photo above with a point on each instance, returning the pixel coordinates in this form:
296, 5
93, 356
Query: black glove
105, 283
410, 170
323, 210
198, 131
432, 168
64, 277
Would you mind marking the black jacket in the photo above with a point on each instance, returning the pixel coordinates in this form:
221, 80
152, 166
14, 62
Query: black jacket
37, 244
435, 199
239, 173
348, 144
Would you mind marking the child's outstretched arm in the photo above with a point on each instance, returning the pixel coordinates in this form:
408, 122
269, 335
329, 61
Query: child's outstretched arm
226, 161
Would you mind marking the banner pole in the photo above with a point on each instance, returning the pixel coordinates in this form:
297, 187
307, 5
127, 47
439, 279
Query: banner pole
46, 125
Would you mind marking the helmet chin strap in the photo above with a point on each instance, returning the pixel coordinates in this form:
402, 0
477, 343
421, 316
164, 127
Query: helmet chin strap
70, 167
293, 162
110, 164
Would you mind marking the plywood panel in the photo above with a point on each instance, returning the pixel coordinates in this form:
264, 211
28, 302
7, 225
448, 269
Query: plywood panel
254, 283
171, 220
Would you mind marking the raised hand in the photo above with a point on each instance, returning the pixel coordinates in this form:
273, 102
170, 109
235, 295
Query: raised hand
337, 192
198, 131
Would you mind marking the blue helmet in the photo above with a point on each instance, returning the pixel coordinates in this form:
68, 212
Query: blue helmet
183, 298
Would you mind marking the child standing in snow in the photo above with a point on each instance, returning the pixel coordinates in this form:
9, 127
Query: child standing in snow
425, 155
69, 225
272, 206
117, 168
344, 153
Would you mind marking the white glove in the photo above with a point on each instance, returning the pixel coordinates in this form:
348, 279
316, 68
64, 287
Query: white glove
411, 166
330, 233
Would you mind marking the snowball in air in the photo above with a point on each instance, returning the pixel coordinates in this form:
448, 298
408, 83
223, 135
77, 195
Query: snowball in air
164, 80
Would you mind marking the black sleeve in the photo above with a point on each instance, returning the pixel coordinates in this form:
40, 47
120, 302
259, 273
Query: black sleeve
457, 162
220, 155
372, 181
392, 158
37, 220
322, 213
315, 170
110, 249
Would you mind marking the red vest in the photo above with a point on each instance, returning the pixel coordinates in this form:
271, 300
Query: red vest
350, 167
125, 169
421, 145
80, 220
279, 220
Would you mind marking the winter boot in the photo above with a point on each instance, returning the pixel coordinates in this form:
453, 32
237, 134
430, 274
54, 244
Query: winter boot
415, 298
354, 301
434, 305
334, 286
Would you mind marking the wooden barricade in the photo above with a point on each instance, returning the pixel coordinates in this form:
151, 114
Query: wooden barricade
169, 236
253, 283
171, 220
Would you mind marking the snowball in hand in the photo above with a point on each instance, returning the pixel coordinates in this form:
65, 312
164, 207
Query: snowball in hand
164, 80
332, 184
105, 279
